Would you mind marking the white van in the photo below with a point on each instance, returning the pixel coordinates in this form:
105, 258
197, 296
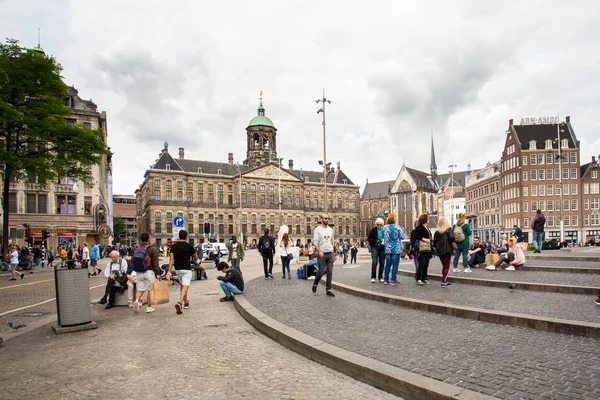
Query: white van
206, 247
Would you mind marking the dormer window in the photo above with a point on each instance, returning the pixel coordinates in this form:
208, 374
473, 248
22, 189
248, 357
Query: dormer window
199, 170
532, 145
564, 143
219, 171
306, 179
548, 144
69, 102
320, 180
168, 167
345, 181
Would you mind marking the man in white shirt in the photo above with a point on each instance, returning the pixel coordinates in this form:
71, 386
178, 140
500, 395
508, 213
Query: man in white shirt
14, 263
116, 273
85, 256
323, 241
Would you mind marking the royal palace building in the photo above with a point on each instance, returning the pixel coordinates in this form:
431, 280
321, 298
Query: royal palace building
244, 198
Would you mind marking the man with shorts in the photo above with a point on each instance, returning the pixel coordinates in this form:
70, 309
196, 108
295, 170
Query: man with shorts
182, 256
14, 263
94, 257
145, 278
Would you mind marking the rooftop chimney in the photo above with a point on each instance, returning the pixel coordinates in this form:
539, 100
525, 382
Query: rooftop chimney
593, 159
510, 122
181, 153
568, 118
338, 165
230, 158
291, 164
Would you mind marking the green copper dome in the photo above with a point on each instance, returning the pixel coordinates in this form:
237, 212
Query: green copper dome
261, 119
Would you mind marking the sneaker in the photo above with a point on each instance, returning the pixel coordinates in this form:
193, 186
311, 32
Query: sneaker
372, 280
420, 282
426, 282
394, 283
283, 277
136, 306
510, 268
266, 278
186, 305
597, 301
314, 288
330, 294
270, 276
99, 270
491, 267
150, 309
94, 274
178, 308
385, 283
444, 285
102, 300
226, 298
109, 306
380, 279
468, 270
455, 270
130, 304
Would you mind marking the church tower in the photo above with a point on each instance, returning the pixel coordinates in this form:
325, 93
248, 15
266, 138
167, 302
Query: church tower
262, 135
433, 165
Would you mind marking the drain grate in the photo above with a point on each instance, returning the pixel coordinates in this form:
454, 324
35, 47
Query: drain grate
33, 314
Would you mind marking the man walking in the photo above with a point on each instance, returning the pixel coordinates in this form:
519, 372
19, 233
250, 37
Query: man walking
94, 257
144, 274
266, 248
537, 224
182, 256
345, 248
236, 253
323, 240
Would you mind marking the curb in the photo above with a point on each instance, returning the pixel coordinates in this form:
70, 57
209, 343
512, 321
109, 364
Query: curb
586, 329
538, 287
394, 380
569, 270
563, 258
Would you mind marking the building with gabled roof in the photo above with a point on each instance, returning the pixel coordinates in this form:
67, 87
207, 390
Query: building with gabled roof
246, 197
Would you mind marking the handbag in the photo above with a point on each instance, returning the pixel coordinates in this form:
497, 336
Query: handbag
290, 256
424, 247
158, 293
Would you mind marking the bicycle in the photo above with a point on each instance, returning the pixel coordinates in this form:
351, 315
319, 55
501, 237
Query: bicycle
4, 267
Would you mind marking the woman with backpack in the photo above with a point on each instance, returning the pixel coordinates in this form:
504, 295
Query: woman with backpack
443, 243
462, 232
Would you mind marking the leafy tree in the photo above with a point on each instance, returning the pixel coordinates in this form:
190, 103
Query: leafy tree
35, 141
118, 228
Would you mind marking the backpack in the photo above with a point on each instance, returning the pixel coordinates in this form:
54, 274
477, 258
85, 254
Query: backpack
459, 234
266, 244
141, 259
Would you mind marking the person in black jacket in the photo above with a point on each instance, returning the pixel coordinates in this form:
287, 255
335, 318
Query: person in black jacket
232, 283
443, 239
375, 240
266, 248
422, 238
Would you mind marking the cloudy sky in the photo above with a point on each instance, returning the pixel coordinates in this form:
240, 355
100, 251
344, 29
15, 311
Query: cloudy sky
190, 73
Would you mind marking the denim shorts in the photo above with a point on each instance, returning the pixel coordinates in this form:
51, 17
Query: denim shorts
185, 276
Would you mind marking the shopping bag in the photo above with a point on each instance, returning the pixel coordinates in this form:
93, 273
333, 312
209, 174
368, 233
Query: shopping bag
492, 258
158, 293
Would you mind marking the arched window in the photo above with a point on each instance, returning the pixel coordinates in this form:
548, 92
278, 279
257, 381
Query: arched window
256, 140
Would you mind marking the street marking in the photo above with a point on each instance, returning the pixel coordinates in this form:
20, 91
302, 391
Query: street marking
25, 284
39, 304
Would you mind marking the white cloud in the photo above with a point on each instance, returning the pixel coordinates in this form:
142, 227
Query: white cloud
189, 73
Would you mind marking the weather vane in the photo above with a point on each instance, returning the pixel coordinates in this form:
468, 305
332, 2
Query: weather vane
261, 98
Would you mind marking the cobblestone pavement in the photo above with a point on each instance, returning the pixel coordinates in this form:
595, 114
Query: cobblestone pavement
555, 305
500, 360
558, 278
209, 352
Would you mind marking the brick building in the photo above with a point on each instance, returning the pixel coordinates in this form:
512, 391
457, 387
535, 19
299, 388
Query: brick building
483, 210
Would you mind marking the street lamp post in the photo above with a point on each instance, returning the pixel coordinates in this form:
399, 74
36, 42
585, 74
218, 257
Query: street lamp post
452, 166
280, 195
325, 166
239, 169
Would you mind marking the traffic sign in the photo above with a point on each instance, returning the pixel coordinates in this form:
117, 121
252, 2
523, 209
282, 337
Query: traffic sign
178, 222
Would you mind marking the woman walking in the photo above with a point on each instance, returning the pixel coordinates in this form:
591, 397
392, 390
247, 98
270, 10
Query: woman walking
284, 251
443, 240
423, 239
392, 239
375, 240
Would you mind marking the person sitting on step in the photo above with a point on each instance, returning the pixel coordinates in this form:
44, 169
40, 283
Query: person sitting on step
476, 253
514, 258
